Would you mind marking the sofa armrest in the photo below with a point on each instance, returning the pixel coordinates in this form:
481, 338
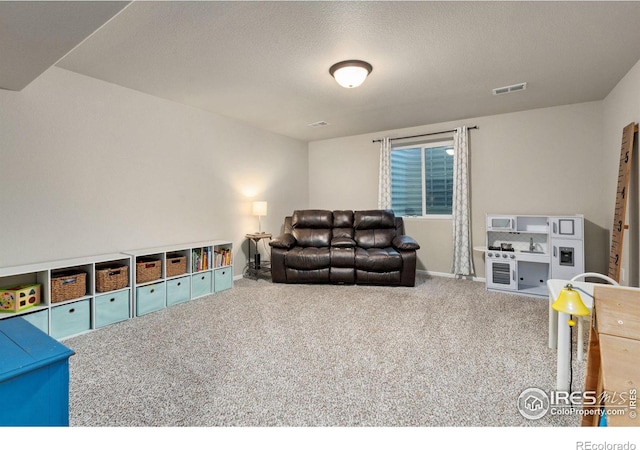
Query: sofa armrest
343, 242
404, 242
285, 241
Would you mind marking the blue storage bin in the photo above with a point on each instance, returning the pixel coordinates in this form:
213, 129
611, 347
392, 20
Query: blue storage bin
150, 298
39, 319
201, 284
223, 279
112, 308
178, 290
70, 319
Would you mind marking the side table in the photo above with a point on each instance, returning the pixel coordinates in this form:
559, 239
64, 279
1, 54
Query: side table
256, 267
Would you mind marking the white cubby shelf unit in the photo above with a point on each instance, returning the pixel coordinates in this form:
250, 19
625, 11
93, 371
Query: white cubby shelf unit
88, 309
208, 268
185, 272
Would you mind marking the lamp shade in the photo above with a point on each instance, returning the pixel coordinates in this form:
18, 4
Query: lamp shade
570, 302
259, 208
350, 74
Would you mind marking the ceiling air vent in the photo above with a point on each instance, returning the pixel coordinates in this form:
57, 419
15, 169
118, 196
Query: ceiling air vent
320, 123
509, 89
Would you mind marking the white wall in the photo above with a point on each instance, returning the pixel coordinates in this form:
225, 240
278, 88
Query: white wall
620, 108
545, 161
88, 167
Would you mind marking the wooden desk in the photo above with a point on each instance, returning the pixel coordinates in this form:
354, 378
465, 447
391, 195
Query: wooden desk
613, 369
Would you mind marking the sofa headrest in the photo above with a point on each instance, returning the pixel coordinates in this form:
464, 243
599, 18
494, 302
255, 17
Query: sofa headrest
373, 219
311, 218
343, 219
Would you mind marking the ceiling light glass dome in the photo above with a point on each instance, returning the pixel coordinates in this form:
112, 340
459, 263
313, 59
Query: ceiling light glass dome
350, 74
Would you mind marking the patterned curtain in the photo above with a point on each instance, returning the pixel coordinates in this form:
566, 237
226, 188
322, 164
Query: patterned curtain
462, 249
384, 182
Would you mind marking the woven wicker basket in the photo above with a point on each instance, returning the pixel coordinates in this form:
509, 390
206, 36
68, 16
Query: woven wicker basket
176, 265
112, 278
148, 269
68, 285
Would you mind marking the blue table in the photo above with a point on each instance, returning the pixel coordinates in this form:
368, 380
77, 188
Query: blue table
34, 376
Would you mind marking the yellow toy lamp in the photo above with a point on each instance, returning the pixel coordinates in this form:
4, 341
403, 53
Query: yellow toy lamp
570, 302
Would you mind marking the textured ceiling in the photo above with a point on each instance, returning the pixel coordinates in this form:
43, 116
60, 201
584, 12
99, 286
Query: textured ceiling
266, 63
35, 35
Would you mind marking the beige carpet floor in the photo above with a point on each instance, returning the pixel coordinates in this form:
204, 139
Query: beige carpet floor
446, 353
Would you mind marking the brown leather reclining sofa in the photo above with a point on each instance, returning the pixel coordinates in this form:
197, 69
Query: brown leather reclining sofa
344, 247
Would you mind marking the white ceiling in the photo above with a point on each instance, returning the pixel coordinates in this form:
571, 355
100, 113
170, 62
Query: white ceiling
266, 63
35, 35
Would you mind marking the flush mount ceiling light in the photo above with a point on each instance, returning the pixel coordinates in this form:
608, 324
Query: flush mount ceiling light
350, 73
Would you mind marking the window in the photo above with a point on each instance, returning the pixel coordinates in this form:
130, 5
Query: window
422, 179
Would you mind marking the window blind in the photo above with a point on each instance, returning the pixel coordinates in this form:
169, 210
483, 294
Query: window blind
406, 182
438, 170
421, 180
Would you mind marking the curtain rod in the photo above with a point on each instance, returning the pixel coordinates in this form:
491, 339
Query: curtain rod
427, 134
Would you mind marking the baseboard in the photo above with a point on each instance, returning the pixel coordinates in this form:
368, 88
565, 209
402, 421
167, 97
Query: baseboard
449, 275
238, 277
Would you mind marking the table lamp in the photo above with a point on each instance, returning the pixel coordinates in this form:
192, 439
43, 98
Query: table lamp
259, 209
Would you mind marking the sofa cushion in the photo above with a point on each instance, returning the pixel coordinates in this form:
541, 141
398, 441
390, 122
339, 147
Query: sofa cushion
373, 219
343, 224
343, 219
378, 259
379, 238
343, 257
311, 258
312, 237
312, 218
